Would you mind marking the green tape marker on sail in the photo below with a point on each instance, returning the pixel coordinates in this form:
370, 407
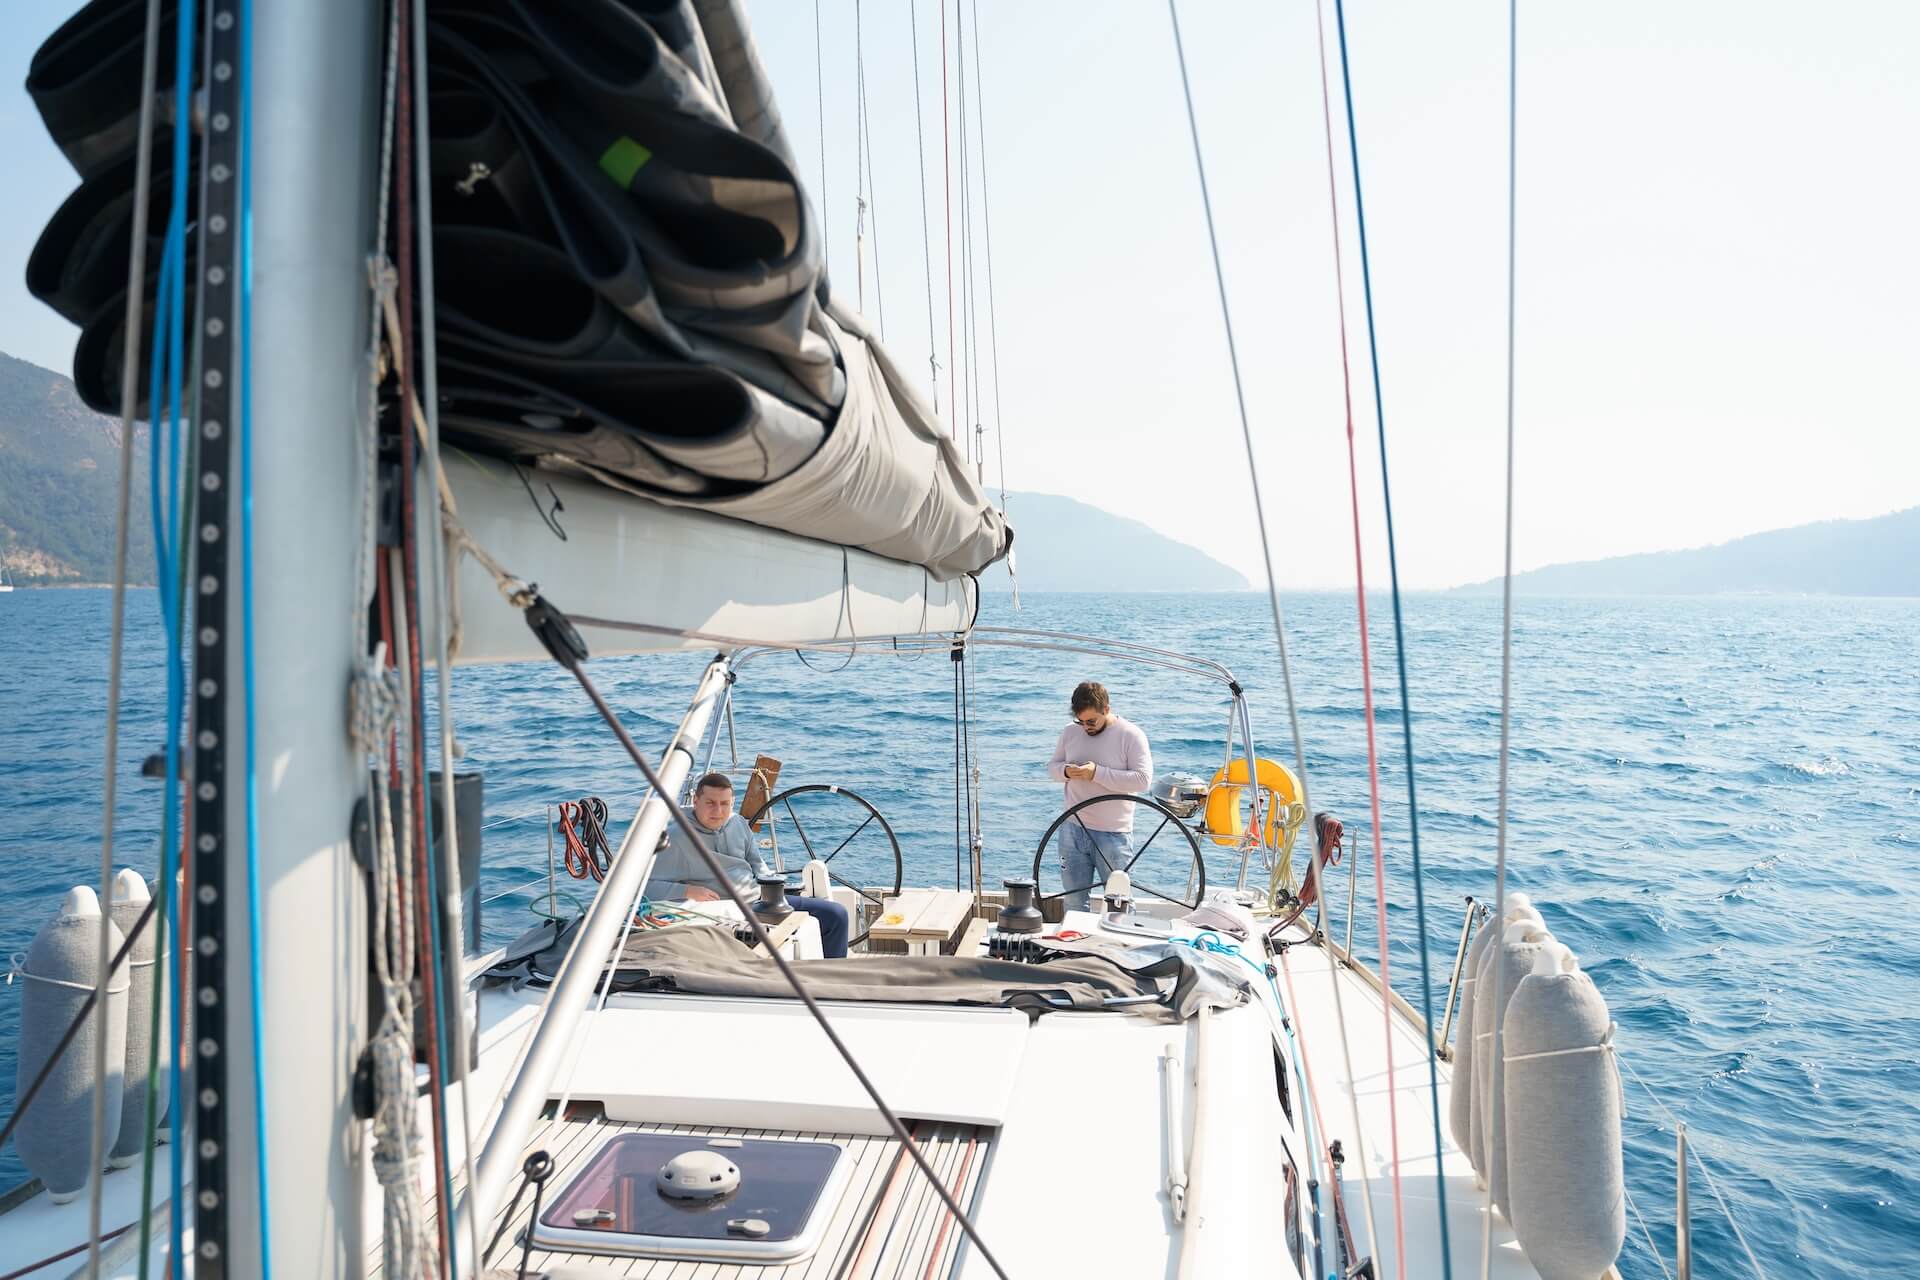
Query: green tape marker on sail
624, 159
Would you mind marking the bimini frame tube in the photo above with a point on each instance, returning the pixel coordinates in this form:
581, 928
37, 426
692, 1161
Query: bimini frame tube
573, 989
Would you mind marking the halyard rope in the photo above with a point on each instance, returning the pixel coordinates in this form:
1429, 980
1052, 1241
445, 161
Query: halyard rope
1273, 590
1366, 668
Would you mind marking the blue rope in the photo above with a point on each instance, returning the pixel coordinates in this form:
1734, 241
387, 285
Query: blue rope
1400, 648
170, 307
245, 337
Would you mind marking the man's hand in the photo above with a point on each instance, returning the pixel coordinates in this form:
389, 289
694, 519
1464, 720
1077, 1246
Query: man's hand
700, 893
1081, 772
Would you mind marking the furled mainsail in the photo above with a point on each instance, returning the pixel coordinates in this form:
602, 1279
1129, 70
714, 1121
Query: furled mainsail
629, 280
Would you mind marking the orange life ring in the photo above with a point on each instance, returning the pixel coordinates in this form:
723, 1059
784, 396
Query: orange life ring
1225, 821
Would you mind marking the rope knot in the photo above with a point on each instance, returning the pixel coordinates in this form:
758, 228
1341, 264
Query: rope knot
373, 706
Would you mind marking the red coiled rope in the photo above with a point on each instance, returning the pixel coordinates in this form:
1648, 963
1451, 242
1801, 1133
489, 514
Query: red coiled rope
583, 825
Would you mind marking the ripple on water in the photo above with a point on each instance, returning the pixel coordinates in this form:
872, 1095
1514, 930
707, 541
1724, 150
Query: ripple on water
1726, 844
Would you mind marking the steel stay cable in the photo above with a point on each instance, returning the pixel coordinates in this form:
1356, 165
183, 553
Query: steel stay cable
569, 659
1273, 591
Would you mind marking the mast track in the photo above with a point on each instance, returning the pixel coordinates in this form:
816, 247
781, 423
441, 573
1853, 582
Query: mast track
216, 715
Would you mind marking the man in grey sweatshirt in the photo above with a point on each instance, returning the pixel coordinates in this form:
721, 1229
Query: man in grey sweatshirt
1098, 754
679, 872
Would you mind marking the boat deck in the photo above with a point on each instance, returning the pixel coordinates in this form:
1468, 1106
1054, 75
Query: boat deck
888, 1223
1053, 1132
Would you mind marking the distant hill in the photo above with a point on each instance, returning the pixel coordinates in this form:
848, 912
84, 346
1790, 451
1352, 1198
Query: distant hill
1876, 557
1063, 545
60, 467
60, 484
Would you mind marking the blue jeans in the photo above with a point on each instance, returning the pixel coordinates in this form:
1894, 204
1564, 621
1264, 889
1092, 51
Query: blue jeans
1086, 856
832, 919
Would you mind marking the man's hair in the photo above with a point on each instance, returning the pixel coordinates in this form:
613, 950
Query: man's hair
1090, 695
717, 781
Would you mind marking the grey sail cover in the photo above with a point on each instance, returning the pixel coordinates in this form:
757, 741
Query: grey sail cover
629, 278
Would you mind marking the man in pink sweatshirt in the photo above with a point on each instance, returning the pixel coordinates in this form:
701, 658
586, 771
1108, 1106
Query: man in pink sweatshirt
1098, 754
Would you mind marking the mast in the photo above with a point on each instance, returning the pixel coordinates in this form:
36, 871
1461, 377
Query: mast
315, 120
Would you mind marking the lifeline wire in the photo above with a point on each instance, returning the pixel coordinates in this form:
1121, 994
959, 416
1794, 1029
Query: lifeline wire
1506, 596
1266, 552
1400, 659
572, 663
1712, 1186
130, 363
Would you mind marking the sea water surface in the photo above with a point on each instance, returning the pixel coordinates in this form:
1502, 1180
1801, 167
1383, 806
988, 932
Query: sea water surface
1715, 803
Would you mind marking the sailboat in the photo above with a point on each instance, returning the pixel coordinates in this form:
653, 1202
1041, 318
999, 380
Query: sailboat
498, 332
6, 580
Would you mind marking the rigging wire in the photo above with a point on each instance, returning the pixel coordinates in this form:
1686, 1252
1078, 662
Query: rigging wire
926, 238
1506, 587
163, 414
1366, 673
946, 178
869, 206
976, 441
1273, 590
129, 381
986, 226
820, 106
430, 420
407, 587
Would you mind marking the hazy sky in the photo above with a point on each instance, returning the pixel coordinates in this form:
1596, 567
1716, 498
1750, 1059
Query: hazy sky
1719, 270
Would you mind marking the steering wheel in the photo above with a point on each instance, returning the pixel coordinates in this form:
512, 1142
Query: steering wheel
830, 818
1168, 816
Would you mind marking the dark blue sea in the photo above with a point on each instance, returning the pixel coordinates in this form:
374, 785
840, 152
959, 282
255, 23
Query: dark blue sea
1715, 802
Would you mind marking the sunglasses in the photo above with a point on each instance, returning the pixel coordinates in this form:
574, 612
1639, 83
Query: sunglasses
1085, 724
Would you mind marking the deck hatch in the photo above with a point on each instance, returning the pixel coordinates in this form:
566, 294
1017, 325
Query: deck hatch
616, 1205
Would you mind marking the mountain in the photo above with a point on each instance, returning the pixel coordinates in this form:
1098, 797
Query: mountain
60, 484
60, 468
1875, 557
1063, 545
